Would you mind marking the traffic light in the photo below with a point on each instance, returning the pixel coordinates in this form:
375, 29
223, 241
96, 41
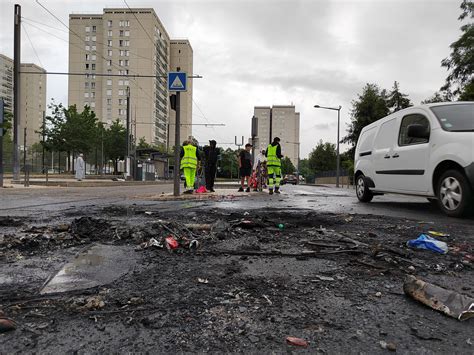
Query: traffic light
173, 101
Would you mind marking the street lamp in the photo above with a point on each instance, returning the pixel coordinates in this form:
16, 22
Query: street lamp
338, 109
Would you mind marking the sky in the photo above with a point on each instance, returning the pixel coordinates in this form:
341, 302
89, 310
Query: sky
272, 52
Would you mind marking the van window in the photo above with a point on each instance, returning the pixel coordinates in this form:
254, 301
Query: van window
416, 118
455, 118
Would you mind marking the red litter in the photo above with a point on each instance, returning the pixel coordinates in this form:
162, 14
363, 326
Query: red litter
171, 243
296, 341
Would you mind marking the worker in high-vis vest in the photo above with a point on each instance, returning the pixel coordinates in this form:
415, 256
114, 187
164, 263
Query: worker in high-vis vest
273, 155
189, 163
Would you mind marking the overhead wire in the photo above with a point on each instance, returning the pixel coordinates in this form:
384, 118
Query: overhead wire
32, 46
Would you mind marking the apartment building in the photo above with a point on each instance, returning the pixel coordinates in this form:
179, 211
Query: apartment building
279, 121
181, 59
112, 47
33, 97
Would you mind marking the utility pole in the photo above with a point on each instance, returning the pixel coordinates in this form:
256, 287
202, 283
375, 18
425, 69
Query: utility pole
127, 139
177, 140
44, 139
1, 140
16, 90
254, 134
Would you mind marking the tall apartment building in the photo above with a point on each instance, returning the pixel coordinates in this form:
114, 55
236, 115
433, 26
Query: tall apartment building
181, 59
33, 97
122, 42
282, 122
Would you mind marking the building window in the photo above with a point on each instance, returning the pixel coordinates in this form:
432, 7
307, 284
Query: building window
120, 92
109, 43
88, 29
86, 94
109, 52
109, 81
109, 33
127, 43
94, 38
88, 48
124, 23
109, 62
92, 104
88, 56
93, 85
94, 28
125, 82
94, 57
109, 101
126, 62
109, 92
93, 95
121, 42
86, 85
121, 33
109, 109
93, 66
109, 71
127, 53
88, 38
121, 102
120, 82
127, 33
93, 47
87, 66
109, 23
122, 111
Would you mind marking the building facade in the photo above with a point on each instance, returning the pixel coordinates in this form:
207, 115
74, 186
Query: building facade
118, 44
32, 98
181, 59
279, 121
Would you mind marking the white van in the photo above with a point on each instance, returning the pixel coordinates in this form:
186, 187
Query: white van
425, 150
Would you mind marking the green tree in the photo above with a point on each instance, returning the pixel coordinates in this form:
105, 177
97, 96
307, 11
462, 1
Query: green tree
467, 93
438, 96
142, 144
287, 166
114, 143
228, 164
322, 157
460, 63
396, 100
369, 107
306, 171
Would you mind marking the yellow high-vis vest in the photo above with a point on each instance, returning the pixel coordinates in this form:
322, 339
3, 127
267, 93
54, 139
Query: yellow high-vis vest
189, 159
272, 159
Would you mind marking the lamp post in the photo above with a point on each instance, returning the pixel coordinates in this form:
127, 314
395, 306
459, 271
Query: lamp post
338, 109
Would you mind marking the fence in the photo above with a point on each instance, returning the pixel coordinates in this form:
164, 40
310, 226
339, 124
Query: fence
329, 177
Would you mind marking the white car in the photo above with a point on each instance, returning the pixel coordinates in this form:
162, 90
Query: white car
425, 150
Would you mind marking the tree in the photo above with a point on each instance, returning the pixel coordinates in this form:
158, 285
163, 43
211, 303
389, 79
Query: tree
142, 144
306, 171
114, 143
438, 96
460, 63
322, 157
228, 163
287, 166
370, 106
396, 100
467, 93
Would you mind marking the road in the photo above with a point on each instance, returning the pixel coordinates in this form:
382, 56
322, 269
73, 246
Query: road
22, 202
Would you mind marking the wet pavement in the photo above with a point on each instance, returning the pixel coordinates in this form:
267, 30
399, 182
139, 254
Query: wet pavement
311, 263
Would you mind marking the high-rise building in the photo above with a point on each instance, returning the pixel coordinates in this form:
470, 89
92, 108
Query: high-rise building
32, 97
114, 44
32, 103
282, 122
181, 59
6, 82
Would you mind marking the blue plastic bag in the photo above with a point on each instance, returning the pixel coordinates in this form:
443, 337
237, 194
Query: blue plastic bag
426, 242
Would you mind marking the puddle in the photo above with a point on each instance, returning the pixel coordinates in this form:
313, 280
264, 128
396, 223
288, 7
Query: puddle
98, 265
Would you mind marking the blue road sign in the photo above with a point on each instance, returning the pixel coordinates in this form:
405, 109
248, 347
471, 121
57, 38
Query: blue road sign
177, 81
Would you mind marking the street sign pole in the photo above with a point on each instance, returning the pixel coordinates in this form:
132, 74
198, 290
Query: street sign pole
16, 91
1, 141
177, 151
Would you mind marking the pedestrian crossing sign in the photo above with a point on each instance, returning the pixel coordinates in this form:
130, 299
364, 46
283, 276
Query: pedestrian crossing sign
177, 81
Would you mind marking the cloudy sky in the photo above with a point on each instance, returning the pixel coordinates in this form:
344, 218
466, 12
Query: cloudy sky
264, 52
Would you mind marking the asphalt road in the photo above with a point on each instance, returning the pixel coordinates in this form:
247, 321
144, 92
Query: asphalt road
23, 201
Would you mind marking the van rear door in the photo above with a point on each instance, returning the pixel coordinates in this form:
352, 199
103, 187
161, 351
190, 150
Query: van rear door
382, 153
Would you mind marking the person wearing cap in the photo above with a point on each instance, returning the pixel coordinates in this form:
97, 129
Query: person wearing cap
189, 161
273, 154
211, 156
245, 167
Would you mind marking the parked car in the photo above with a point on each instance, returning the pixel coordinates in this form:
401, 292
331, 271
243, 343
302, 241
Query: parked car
289, 179
426, 150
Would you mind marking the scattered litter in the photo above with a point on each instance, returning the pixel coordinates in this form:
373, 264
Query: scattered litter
411, 268
246, 213
348, 219
171, 242
203, 281
148, 213
468, 341
324, 278
6, 324
151, 243
95, 302
197, 226
388, 346
438, 234
201, 190
281, 226
426, 242
268, 300
378, 294
193, 244
297, 341
448, 302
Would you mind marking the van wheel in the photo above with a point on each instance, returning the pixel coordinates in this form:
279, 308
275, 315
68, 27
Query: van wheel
362, 189
454, 193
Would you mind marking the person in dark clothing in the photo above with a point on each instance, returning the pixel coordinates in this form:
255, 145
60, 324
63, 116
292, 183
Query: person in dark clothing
273, 154
211, 156
245, 167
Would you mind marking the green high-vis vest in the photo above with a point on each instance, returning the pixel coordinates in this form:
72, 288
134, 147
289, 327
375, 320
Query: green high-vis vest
272, 159
189, 159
